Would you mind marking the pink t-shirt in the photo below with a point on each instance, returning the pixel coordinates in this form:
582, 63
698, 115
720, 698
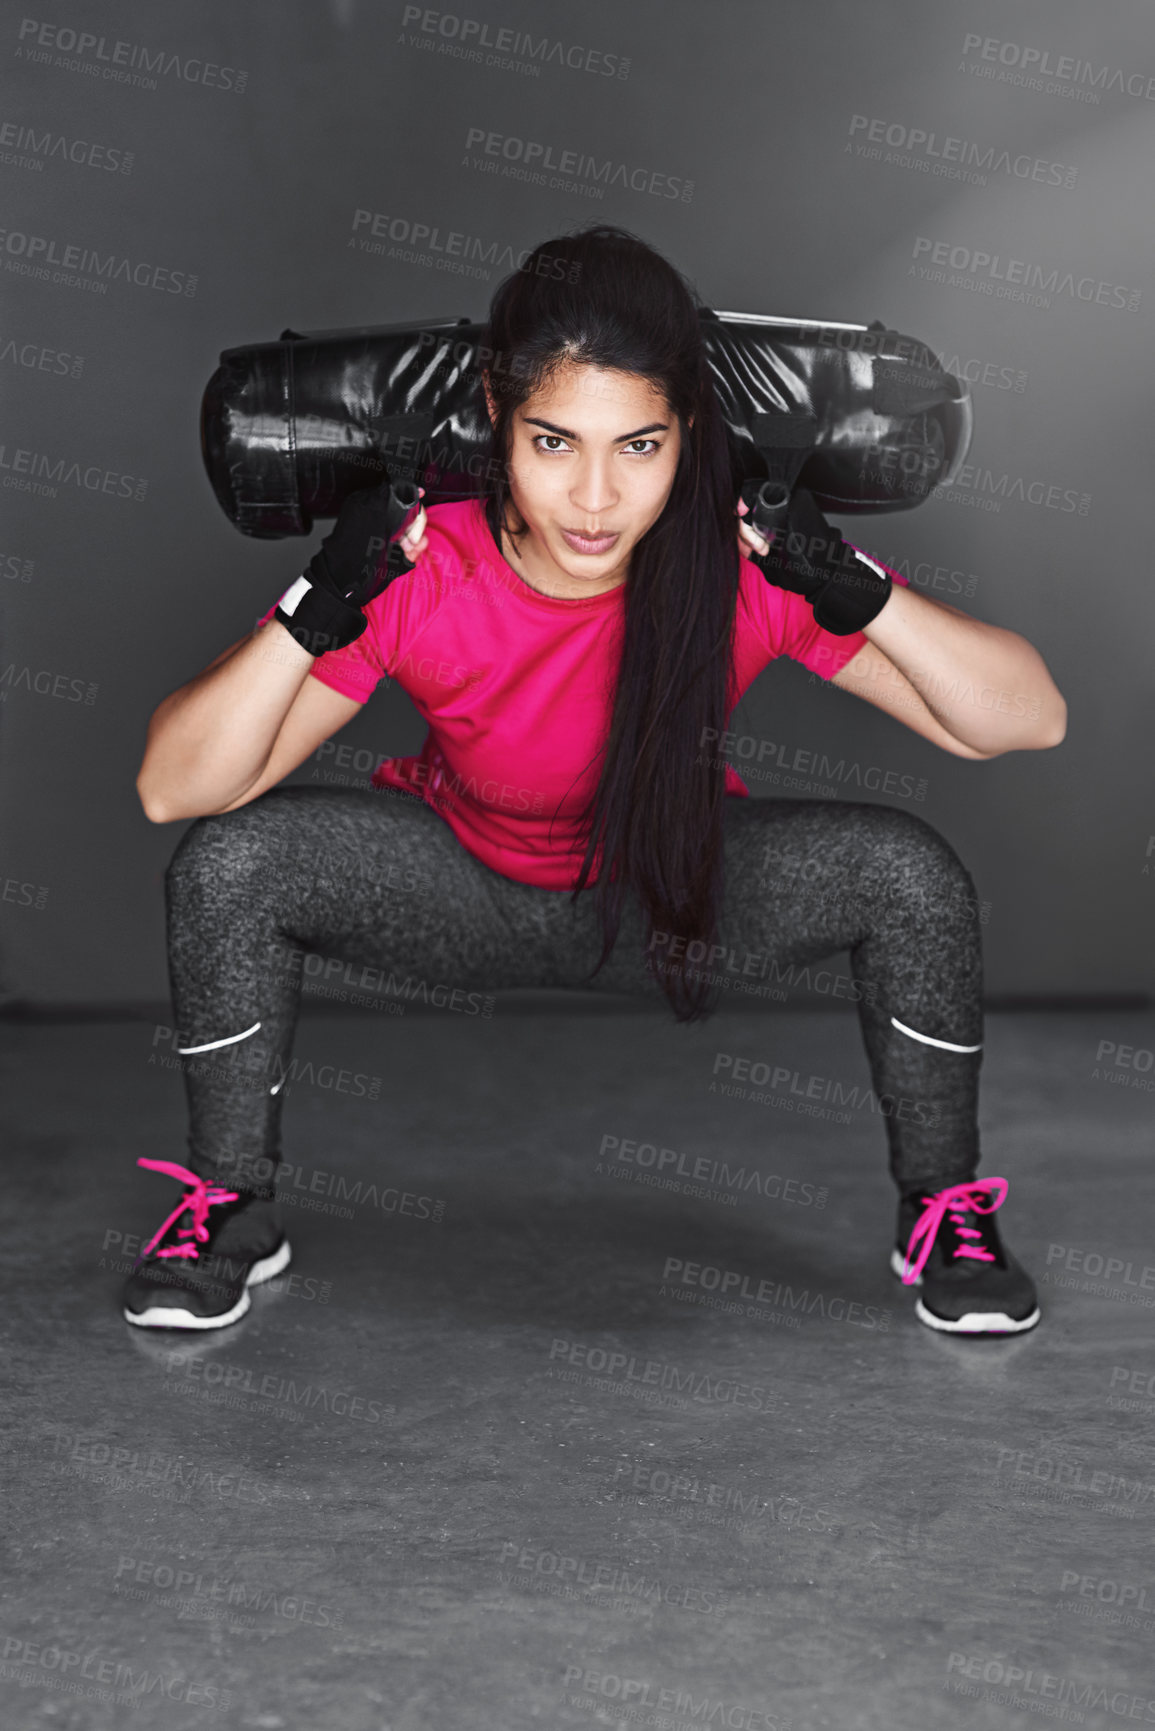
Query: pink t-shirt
517, 688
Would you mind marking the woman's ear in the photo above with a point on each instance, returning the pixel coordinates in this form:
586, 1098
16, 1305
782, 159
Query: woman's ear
489, 402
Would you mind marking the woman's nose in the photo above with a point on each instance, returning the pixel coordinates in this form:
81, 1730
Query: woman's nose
594, 489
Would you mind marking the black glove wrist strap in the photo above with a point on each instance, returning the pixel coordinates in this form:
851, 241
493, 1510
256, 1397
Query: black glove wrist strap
358, 558
853, 597
317, 617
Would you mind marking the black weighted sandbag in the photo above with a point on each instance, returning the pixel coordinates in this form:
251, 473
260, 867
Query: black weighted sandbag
863, 416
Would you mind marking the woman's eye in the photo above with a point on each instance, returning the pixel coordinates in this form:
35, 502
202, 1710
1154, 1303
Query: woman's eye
554, 442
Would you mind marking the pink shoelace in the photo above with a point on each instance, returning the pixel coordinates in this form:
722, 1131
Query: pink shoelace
197, 1199
981, 1195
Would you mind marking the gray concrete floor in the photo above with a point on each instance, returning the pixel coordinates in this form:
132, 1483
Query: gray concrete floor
482, 1463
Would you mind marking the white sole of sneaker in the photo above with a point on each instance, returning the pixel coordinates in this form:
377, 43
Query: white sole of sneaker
977, 1321
974, 1321
165, 1316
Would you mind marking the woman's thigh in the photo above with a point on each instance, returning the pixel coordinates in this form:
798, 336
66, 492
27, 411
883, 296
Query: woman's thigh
358, 876
807, 873
808, 879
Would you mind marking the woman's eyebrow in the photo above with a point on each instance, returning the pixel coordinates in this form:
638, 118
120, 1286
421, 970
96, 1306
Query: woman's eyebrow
564, 432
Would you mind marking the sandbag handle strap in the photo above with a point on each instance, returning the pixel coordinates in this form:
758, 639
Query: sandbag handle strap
785, 439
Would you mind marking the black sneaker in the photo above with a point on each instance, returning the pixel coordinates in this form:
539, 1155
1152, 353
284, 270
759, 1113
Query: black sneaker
949, 1245
198, 1275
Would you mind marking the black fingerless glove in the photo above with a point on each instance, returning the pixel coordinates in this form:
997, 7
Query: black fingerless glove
357, 559
845, 588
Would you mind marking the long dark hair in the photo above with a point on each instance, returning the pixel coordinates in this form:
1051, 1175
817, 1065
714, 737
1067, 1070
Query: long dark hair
653, 828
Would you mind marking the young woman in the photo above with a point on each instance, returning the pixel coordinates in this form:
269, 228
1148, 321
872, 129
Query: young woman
576, 636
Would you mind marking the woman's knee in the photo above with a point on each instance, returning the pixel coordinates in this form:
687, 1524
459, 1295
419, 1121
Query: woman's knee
234, 848
909, 856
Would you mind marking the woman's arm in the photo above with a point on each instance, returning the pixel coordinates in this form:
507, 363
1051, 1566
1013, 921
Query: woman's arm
237, 728
955, 680
253, 715
975, 689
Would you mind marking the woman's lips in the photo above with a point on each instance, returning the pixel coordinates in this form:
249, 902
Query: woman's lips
589, 543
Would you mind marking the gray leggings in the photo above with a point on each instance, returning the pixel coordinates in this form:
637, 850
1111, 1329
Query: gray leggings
378, 886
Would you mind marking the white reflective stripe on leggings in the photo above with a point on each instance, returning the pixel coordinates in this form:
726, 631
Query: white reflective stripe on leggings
229, 1040
927, 1040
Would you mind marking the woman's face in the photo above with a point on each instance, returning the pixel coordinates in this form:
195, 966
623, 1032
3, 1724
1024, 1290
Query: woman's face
592, 460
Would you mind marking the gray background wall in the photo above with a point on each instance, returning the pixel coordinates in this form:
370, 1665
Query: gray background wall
348, 105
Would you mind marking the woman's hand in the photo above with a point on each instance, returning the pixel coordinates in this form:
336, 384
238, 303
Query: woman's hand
796, 549
415, 540
748, 536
